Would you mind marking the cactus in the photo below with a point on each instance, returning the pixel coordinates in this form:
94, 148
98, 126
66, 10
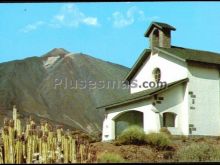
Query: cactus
65, 148
29, 147
18, 151
1, 156
5, 137
39, 144
18, 127
81, 152
11, 141
44, 150
24, 151
72, 155
14, 112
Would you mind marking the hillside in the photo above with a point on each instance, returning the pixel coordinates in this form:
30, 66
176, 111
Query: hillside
30, 84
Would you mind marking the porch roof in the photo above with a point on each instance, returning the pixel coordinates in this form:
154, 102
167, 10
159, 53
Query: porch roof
141, 95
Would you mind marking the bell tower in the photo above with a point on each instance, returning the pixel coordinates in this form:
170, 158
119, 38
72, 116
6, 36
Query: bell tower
159, 35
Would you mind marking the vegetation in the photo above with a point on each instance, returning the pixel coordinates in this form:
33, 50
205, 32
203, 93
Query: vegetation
132, 135
198, 152
159, 140
135, 135
41, 144
110, 158
45, 144
165, 130
95, 136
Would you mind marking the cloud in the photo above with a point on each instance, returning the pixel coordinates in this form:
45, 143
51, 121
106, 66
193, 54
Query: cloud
32, 27
59, 17
71, 16
68, 16
90, 21
133, 14
119, 20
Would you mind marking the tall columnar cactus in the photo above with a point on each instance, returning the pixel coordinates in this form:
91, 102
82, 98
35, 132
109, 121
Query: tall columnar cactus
73, 151
53, 147
59, 135
11, 142
29, 147
66, 149
24, 151
18, 151
1, 156
5, 137
28, 126
44, 150
14, 115
18, 127
39, 144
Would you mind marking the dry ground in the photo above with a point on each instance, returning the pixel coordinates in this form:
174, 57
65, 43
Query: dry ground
146, 153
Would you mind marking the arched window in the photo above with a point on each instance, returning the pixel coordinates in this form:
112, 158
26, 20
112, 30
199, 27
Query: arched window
156, 74
169, 119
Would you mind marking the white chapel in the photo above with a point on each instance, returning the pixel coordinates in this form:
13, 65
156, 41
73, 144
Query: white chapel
188, 105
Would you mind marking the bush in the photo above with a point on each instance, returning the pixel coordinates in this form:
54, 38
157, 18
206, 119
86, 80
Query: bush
135, 135
95, 136
159, 140
132, 135
183, 138
165, 130
198, 152
110, 158
198, 139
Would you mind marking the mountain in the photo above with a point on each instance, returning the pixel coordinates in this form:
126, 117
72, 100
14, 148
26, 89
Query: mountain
45, 87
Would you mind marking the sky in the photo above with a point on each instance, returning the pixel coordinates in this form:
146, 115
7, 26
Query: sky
111, 31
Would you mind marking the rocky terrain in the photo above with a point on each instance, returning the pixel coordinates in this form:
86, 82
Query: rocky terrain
183, 149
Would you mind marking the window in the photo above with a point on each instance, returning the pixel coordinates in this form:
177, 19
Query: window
156, 74
155, 38
169, 119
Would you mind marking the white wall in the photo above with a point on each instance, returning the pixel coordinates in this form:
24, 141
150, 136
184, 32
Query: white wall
151, 119
175, 101
172, 69
204, 83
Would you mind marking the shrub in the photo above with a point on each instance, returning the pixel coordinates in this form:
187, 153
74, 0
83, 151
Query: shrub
168, 155
95, 136
110, 158
132, 135
165, 130
135, 135
159, 140
183, 138
217, 138
198, 139
198, 152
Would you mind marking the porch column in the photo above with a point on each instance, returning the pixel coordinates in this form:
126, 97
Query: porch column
157, 120
108, 130
112, 123
151, 120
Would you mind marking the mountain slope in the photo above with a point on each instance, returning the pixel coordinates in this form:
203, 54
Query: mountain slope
46, 87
